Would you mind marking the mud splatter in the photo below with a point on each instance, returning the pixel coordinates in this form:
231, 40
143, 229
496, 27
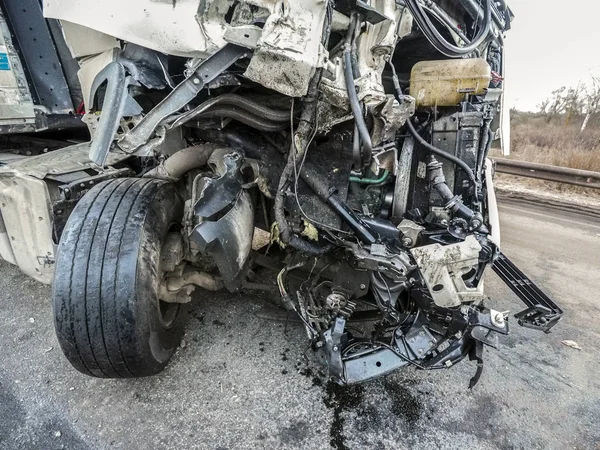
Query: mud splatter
404, 404
340, 399
316, 378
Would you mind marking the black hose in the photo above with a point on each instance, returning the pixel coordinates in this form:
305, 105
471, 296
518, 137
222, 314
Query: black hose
236, 106
438, 41
363, 131
320, 187
486, 138
483, 152
361, 125
309, 247
306, 124
244, 117
455, 204
356, 156
441, 153
382, 285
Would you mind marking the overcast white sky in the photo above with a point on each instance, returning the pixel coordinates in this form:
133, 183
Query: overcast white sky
552, 43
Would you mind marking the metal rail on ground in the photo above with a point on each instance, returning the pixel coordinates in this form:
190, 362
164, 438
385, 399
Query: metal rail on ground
558, 174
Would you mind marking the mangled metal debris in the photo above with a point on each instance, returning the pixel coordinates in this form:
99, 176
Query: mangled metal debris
350, 136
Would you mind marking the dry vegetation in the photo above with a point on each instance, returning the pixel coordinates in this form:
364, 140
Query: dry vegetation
556, 141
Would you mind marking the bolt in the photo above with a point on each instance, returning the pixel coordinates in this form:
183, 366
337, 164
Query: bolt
420, 351
476, 223
499, 319
196, 81
407, 242
363, 287
335, 348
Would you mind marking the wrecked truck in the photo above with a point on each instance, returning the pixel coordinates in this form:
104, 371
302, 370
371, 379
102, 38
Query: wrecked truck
337, 149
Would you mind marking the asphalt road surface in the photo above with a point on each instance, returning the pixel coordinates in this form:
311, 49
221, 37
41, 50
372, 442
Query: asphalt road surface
239, 382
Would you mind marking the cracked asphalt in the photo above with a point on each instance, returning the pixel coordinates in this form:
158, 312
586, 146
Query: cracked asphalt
239, 380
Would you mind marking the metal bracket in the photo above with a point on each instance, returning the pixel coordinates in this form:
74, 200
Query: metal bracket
541, 313
333, 348
371, 14
116, 101
186, 91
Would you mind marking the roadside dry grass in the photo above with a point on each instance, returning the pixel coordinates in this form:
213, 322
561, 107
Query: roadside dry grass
554, 142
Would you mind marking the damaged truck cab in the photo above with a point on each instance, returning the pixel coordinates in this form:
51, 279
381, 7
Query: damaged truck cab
338, 149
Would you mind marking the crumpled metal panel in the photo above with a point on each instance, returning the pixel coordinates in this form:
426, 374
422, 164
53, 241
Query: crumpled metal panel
226, 217
65, 160
189, 28
25, 207
289, 50
229, 239
25, 203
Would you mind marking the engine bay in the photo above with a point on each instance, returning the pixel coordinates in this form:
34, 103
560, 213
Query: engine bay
341, 146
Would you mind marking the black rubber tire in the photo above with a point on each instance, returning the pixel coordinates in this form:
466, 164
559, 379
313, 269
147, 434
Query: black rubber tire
107, 313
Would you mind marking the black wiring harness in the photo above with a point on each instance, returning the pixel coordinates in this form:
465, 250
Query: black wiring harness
421, 15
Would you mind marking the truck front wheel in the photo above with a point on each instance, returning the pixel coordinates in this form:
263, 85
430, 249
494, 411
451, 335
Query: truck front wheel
109, 319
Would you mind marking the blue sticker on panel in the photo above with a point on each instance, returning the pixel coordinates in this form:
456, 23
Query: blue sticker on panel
4, 64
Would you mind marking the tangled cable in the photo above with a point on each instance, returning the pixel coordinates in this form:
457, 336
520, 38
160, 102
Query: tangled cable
440, 43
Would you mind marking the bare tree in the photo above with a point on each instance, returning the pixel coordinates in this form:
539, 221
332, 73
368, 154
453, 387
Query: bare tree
555, 104
564, 102
592, 100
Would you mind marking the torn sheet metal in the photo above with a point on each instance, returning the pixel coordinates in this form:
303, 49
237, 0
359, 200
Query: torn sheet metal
26, 233
226, 216
65, 160
29, 229
289, 50
84, 41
